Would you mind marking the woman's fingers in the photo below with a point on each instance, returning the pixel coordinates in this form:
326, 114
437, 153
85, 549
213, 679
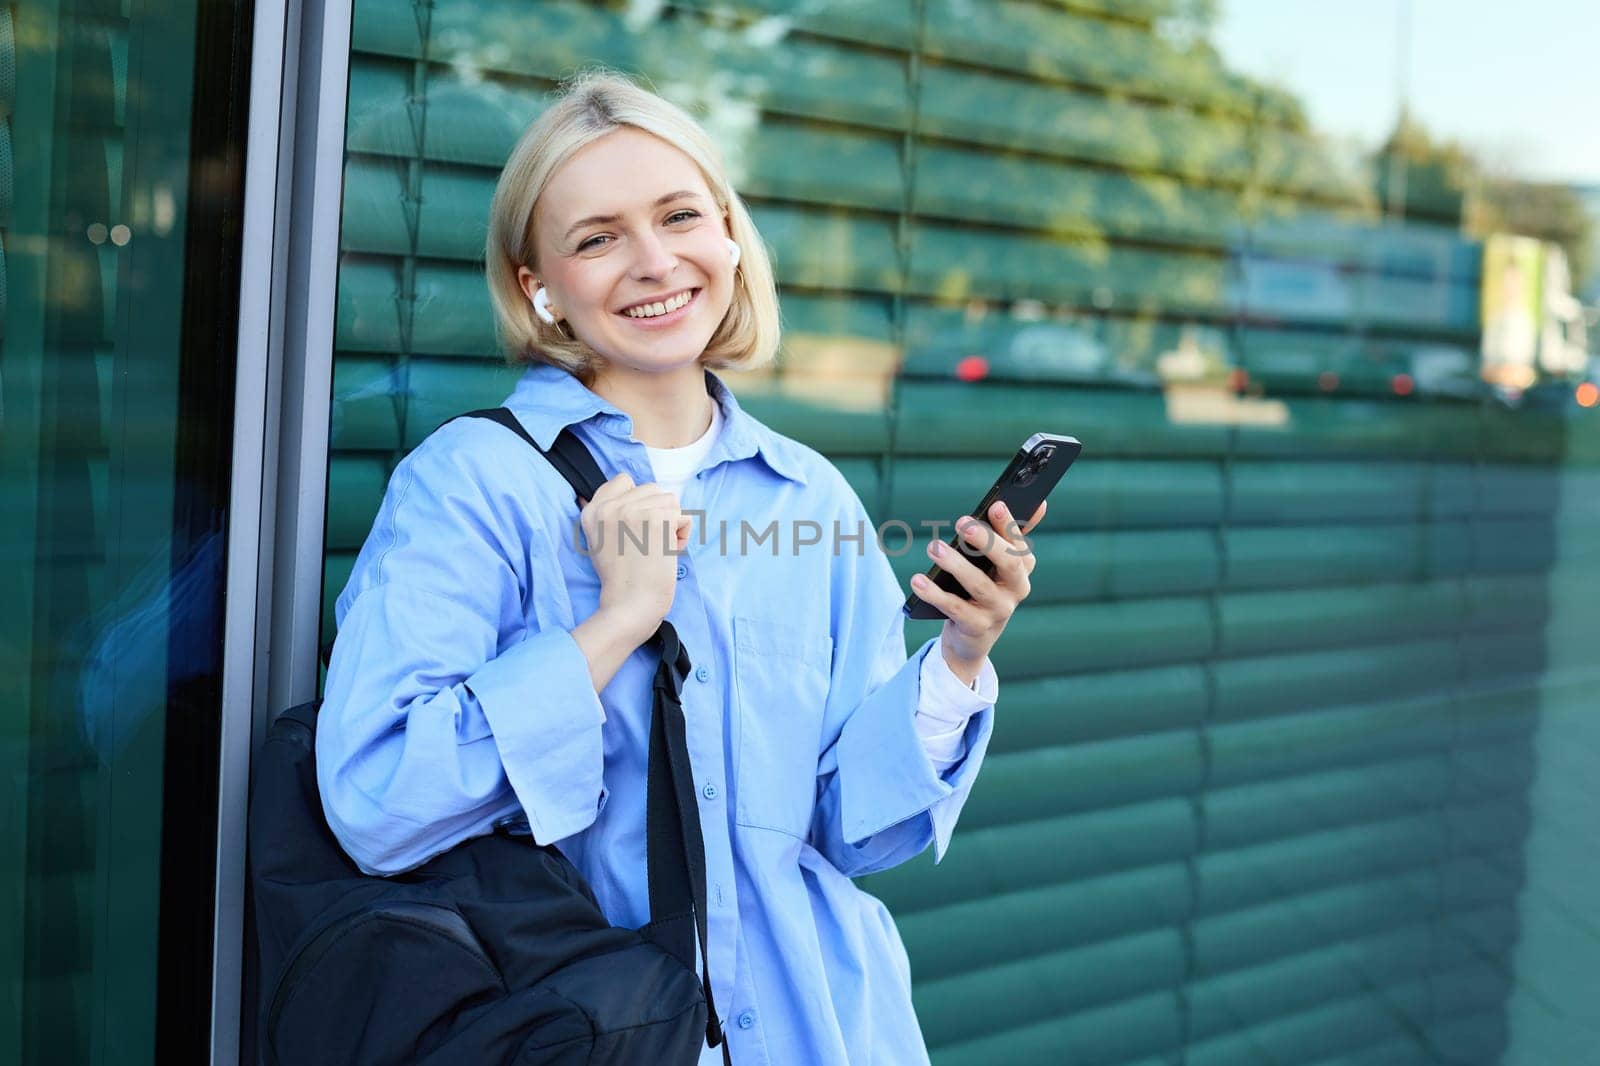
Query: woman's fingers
960, 611
1012, 557
954, 562
1038, 516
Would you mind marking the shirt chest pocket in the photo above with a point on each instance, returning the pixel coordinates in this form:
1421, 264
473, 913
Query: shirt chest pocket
781, 679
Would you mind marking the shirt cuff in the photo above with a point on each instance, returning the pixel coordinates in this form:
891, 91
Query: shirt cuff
945, 704
540, 702
945, 697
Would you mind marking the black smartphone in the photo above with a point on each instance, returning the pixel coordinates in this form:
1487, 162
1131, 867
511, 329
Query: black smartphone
1022, 486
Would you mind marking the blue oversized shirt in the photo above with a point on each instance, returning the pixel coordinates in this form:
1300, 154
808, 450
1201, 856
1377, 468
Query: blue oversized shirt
456, 697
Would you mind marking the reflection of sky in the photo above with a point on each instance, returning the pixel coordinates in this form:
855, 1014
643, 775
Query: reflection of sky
1518, 83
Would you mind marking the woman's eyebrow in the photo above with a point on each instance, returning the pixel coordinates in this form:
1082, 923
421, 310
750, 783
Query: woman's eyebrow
597, 220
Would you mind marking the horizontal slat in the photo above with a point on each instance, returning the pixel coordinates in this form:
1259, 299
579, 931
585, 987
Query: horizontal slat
1030, 193
1524, 436
891, 22
1399, 248
1294, 620
1475, 934
830, 250
1293, 924
1498, 823
962, 263
367, 396
1039, 40
829, 428
1269, 492
1039, 853
449, 313
1026, 785
1121, 1033
1298, 556
958, 418
1007, 927
1404, 1050
1308, 292
1241, 1000
1276, 748
355, 489
1003, 111
837, 316
441, 389
1023, 346
1316, 426
1060, 984
1265, 873
1098, 706
1256, 687
1321, 800
1347, 1025
1046, 641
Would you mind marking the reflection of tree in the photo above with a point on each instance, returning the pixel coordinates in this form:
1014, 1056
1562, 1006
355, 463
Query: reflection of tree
1419, 175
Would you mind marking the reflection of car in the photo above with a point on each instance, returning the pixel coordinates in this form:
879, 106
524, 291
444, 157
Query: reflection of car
1030, 351
1050, 349
1440, 370
1579, 394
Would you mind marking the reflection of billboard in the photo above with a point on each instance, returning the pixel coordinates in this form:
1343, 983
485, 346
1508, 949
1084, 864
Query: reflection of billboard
1510, 309
1532, 324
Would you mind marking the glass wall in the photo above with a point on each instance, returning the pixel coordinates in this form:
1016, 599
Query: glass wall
118, 293
1290, 758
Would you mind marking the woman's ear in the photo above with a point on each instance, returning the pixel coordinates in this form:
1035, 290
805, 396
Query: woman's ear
529, 283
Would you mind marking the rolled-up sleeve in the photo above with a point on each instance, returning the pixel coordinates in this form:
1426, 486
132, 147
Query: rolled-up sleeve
445, 711
881, 799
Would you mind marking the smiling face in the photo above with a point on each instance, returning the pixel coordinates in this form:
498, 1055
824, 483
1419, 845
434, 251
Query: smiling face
634, 253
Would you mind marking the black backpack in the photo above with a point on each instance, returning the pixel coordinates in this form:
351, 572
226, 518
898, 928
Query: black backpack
495, 951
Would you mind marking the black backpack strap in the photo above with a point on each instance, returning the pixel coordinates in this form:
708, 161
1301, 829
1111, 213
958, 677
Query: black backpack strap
568, 455
674, 844
675, 847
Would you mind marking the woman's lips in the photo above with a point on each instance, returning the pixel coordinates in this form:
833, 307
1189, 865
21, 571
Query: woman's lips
657, 321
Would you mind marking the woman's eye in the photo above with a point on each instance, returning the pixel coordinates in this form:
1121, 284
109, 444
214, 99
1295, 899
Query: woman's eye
682, 216
591, 243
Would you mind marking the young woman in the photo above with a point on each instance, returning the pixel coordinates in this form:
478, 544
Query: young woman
489, 662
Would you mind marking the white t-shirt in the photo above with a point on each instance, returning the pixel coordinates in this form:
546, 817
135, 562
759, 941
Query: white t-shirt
673, 467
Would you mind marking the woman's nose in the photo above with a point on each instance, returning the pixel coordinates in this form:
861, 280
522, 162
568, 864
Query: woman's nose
652, 258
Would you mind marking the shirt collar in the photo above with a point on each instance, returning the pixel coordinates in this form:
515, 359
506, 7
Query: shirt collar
548, 399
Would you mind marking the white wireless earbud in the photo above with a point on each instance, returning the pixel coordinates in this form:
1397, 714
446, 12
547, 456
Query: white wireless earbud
541, 306
733, 252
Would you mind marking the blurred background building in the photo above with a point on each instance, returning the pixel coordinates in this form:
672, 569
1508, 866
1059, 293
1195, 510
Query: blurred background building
1295, 752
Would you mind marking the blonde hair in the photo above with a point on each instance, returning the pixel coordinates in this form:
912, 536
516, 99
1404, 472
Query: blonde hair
592, 105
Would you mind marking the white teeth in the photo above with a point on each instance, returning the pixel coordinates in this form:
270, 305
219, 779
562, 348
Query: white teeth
660, 307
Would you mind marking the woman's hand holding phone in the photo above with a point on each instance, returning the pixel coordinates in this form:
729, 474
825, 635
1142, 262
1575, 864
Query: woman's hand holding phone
972, 626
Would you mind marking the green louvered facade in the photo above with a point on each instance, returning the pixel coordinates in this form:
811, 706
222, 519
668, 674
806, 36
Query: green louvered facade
1259, 789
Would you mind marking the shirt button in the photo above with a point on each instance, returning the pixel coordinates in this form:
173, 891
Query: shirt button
702, 673
747, 1020
683, 571
710, 791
